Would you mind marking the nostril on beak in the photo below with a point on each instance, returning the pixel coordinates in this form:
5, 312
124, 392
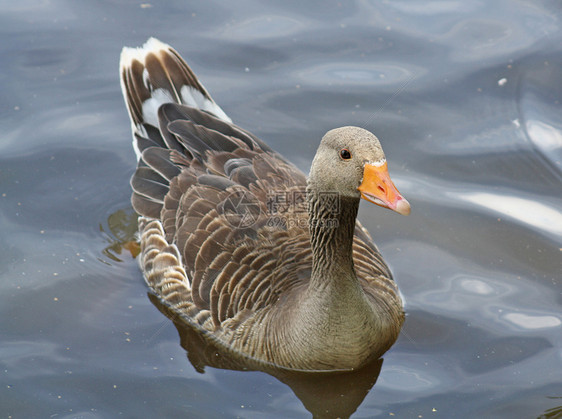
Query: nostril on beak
381, 189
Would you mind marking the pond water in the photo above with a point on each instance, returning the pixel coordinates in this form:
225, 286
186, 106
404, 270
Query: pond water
465, 96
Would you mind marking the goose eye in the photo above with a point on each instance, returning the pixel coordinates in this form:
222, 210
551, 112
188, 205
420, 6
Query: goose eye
345, 154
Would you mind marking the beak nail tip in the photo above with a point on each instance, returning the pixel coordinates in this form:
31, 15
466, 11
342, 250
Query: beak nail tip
403, 207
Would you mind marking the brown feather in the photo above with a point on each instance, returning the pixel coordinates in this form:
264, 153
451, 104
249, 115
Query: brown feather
209, 249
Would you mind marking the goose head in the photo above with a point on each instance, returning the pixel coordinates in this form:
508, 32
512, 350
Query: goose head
351, 162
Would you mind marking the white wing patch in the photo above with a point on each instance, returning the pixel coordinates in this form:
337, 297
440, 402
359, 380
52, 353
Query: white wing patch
194, 98
150, 106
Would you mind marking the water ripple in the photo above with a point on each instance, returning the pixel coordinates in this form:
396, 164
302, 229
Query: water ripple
532, 321
532, 212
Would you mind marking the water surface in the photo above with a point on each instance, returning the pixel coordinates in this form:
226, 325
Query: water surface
465, 97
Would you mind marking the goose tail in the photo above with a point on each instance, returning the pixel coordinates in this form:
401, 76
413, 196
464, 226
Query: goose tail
154, 75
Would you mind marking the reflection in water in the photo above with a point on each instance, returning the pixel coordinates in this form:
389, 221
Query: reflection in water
527, 321
531, 212
324, 394
123, 228
545, 136
554, 413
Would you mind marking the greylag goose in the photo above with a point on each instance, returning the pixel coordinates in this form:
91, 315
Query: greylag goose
239, 244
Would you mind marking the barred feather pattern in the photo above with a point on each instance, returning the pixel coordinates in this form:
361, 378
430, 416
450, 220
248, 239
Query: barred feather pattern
199, 180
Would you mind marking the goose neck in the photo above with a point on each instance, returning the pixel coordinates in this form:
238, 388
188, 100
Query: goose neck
332, 226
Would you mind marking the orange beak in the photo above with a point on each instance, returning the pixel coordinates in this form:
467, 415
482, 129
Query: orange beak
379, 189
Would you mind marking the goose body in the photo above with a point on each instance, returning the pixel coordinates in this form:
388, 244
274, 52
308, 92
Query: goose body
239, 244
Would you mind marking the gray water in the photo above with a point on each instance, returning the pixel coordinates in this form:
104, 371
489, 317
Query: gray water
465, 96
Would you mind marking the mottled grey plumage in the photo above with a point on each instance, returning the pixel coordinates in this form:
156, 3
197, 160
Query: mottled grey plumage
211, 250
